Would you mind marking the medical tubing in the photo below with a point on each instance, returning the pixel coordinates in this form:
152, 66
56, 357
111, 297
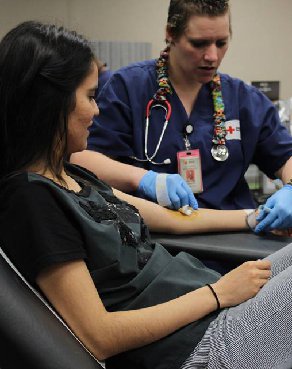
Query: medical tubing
167, 109
158, 144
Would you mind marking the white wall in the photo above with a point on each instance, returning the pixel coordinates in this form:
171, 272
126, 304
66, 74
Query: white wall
260, 47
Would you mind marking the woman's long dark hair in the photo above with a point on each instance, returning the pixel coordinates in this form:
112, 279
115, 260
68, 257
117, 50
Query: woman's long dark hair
41, 67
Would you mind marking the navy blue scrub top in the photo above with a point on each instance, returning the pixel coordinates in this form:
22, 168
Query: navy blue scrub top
103, 77
120, 128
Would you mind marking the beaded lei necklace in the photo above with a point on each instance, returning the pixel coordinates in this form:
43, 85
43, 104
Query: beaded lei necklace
219, 150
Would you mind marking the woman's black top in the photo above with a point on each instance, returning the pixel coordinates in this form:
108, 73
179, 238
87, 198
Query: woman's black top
42, 223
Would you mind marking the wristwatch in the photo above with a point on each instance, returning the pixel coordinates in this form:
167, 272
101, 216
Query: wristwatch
289, 182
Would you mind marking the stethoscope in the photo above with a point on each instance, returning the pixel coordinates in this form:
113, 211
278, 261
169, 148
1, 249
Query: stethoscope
164, 104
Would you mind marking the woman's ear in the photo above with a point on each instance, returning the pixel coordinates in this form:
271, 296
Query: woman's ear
168, 36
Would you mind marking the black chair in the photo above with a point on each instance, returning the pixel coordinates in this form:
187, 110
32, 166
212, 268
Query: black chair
31, 334
234, 247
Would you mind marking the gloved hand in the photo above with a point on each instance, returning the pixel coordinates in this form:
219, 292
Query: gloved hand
277, 211
169, 190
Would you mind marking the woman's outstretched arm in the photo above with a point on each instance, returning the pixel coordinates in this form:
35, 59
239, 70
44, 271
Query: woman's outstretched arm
160, 219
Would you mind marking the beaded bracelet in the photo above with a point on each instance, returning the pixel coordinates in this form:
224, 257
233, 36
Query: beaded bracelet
215, 295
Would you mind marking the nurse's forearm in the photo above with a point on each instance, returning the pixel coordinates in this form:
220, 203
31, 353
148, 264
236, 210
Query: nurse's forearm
160, 219
285, 173
124, 177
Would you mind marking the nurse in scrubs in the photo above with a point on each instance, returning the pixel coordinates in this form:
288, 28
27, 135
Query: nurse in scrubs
177, 131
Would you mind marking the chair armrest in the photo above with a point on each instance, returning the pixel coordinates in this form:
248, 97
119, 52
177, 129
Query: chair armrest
232, 246
31, 336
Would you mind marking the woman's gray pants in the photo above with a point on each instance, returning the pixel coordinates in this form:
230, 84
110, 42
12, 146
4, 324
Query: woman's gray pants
256, 334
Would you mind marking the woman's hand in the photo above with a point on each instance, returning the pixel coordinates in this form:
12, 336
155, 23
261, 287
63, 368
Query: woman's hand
282, 232
242, 283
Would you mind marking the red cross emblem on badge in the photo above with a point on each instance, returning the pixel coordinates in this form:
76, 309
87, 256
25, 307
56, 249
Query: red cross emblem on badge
233, 130
230, 130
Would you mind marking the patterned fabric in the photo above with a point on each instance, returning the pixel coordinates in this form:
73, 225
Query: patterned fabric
256, 334
219, 112
162, 76
216, 91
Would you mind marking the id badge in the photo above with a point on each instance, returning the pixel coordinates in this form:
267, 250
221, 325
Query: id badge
189, 167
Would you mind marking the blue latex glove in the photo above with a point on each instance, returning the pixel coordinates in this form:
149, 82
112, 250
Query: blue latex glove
277, 211
177, 190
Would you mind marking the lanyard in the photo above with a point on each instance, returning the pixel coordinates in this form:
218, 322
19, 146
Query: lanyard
219, 149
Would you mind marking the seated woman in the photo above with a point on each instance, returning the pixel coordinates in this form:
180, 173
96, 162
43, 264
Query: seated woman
88, 250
